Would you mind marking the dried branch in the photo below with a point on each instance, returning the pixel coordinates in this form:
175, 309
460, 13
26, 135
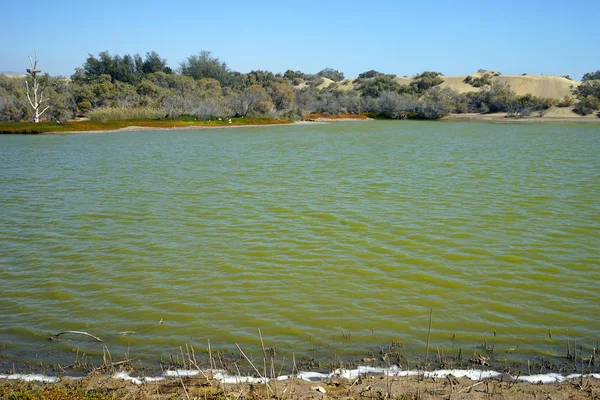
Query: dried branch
77, 333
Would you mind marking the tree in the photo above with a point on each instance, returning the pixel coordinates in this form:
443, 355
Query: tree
332, 74
426, 80
446, 100
393, 105
38, 95
590, 76
204, 65
369, 74
588, 88
154, 63
381, 83
283, 96
587, 105
265, 79
253, 99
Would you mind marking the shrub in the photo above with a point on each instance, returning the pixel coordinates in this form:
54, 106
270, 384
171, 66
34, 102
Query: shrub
567, 101
428, 110
485, 79
591, 76
124, 113
588, 88
426, 80
382, 83
209, 109
393, 105
587, 105
369, 74
332, 74
446, 100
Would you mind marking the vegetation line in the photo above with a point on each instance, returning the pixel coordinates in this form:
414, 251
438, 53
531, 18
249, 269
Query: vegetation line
204, 90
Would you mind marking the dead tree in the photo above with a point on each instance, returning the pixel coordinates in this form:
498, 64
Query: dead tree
38, 99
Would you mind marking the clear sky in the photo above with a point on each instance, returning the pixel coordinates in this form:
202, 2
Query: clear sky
454, 37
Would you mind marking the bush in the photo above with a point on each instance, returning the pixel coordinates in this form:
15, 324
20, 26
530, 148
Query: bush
369, 74
124, 113
591, 76
426, 80
209, 109
429, 110
485, 79
332, 74
588, 88
587, 105
533, 102
293, 75
446, 100
496, 97
567, 101
382, 83
393, 105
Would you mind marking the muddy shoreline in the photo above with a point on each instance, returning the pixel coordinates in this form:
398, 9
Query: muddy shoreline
77, 363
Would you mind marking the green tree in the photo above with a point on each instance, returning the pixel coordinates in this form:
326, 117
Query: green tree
252, 100
369, 74
204, 65
381, 83
425, 81
154, 63
283, 96
590, 76
332, 74
587, 105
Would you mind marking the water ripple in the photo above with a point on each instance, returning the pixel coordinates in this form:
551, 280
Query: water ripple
303, 232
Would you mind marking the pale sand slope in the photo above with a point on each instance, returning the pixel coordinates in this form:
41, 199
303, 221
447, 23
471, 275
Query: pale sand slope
553, 87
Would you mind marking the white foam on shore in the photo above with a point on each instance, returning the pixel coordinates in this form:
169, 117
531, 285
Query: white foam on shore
31, 377
181, 372
351, 374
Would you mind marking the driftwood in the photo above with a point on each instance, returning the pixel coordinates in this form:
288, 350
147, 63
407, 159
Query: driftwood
76, 333
55, 337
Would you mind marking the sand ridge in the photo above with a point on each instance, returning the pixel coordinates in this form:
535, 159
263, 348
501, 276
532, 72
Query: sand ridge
547, 86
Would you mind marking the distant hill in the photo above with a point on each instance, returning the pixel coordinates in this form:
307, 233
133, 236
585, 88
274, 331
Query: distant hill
13, 74
547, 86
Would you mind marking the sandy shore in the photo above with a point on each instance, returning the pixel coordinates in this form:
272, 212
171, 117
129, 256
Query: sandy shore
101, 386
501, 118
134, 128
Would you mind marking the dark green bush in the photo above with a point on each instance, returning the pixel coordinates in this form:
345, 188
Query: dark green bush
587, 105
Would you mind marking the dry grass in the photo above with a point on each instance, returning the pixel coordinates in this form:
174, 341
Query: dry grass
125, 113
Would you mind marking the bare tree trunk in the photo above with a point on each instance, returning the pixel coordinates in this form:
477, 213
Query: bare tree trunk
37, 101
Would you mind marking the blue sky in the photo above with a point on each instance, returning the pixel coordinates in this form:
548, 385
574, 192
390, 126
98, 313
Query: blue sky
453, 37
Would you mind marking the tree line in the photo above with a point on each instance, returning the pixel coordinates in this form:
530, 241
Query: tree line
203, 87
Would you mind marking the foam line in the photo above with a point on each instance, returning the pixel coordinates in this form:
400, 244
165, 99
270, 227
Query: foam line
31, 377
351, 374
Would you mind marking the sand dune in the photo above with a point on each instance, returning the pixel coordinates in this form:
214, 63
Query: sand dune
553, 87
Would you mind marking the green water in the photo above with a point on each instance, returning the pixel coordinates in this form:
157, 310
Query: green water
330, 239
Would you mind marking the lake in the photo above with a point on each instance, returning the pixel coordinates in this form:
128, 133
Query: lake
332, 239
